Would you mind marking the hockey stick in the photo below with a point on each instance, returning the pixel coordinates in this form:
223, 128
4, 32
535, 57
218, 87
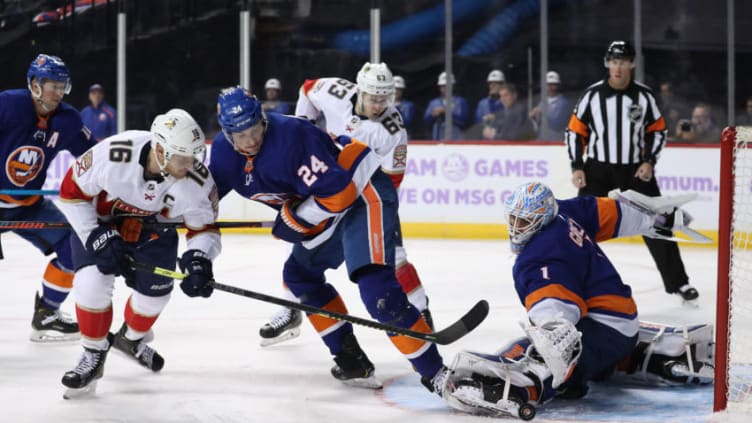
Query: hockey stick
21, 224
29, 192
446, 336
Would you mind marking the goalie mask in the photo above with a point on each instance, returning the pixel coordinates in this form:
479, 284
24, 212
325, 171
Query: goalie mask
179, 136
530, 207
375, 89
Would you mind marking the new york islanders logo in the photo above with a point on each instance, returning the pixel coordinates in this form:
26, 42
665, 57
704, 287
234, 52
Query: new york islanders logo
24, 164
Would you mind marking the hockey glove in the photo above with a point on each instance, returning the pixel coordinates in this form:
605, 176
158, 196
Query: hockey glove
198, 267
290, 227
664, 224
111, 254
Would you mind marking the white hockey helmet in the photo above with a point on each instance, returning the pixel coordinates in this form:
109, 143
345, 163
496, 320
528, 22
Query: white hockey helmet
495, 76
272, 84
375, 79
399, 82
178, 134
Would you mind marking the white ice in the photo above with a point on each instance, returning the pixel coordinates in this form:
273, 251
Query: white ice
216, 372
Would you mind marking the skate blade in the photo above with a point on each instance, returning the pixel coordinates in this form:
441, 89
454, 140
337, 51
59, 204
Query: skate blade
51, 336
467, 400
76, 393
284, 336
369, 382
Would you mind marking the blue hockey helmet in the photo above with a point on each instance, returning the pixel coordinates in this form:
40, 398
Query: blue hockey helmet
530, 207
237, 110
50, 68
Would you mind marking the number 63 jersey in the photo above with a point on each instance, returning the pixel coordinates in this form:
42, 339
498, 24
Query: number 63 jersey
334, 98
109, 180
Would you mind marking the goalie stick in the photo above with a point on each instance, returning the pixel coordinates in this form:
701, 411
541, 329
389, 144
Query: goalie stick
446, 336
654, 206
23, 224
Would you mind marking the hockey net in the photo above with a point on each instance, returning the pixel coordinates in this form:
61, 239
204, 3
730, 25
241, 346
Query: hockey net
733, 378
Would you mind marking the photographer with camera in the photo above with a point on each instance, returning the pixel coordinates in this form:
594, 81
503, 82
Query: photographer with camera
699, 129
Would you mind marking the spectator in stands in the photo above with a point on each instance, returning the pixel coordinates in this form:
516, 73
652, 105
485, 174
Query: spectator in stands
405, 107
488, 106
513, 122
273, 104
701, 128
435, 112
746, 118
557, 111
672, 107
98, 116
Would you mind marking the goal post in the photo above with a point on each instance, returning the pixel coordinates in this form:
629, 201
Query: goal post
733, 353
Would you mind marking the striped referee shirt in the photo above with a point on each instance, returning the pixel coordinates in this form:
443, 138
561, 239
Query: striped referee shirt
615, 126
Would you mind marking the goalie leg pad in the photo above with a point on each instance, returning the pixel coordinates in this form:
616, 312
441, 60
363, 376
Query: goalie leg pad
668, 355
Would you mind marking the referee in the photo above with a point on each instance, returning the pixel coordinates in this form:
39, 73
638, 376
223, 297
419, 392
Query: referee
614, 137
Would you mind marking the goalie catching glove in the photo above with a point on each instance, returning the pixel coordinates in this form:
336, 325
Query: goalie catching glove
559, 344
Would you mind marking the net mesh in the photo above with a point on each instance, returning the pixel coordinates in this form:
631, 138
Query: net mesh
740, 296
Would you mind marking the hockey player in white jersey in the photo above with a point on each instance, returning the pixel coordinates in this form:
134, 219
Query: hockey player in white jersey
364, 110
113, 196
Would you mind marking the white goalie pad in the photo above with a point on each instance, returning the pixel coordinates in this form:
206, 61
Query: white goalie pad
691, 345
655, 207
559, 343
470, 399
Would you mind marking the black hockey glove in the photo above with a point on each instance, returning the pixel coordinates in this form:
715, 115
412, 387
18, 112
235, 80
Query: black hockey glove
111, 254
198, 267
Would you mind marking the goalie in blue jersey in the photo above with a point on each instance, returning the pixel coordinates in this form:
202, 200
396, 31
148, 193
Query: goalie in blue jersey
583, 322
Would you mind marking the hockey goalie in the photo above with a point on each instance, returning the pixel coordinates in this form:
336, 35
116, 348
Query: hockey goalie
582, 320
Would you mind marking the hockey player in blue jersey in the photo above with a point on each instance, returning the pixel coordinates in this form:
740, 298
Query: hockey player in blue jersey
583, 321
335, 205
35, 124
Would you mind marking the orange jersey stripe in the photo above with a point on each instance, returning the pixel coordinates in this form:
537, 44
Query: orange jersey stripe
613, 303
407, 345
658, 125
555, 291
57, 277
23, 202
308, 85
340, 201
375, 226
350, 153
578, 126
608, 216
322, 323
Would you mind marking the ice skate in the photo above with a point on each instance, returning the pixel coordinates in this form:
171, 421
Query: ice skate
437, 384
353, 367
689, 295
487, 396
49, 325
285, 325
82, 380
138, 350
